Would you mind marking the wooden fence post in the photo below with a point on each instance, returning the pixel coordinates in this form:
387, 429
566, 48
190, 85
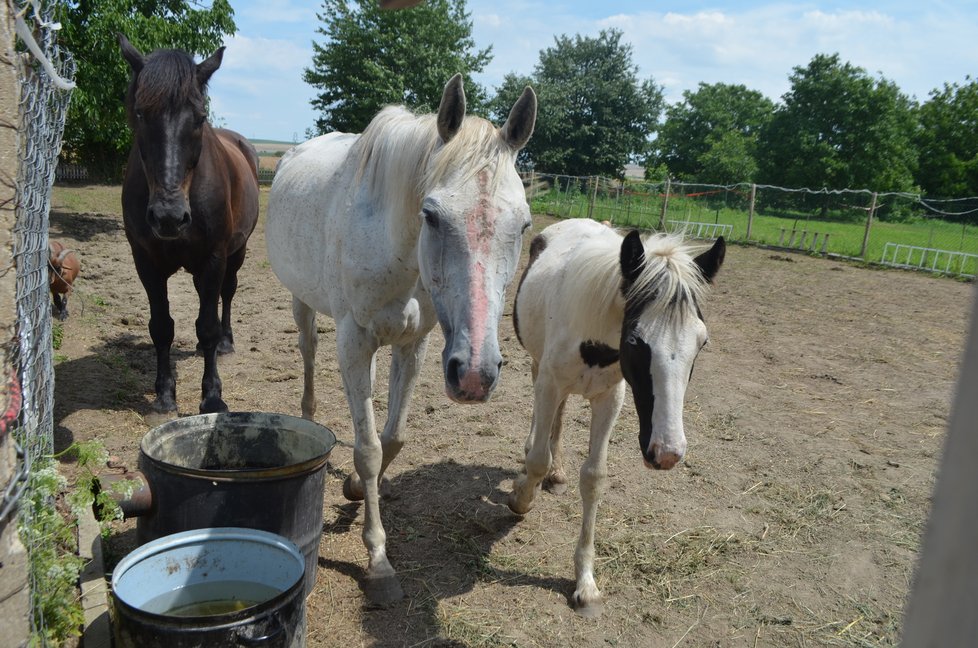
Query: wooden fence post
665, 206
750, 212
869, 223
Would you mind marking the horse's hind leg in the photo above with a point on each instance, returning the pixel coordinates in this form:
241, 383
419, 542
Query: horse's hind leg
305, 321
228, 288
556, 479
594, 474
406, 363
546, 405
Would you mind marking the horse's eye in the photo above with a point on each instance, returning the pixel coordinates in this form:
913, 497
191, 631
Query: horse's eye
631, 340
199, 121
139, 115
431, 218
526, 225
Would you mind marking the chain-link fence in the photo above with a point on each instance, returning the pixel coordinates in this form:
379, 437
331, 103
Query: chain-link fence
898, 229
44, 97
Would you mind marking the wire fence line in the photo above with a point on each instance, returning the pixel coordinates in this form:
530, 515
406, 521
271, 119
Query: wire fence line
854, 223
43, 104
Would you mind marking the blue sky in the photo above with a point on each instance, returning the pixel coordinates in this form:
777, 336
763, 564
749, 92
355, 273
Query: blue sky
920, 45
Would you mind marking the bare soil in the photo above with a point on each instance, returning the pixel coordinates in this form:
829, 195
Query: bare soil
815, 421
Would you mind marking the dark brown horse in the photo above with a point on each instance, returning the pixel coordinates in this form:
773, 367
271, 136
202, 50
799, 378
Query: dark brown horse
189, 200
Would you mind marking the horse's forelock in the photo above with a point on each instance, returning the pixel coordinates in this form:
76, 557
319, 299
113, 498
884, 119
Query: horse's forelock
476, 147
167, 80
670, 280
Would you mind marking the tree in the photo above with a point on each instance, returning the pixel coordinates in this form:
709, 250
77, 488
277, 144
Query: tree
840, 128
372, 58
711, 135
96, 133
594, 114
947, 141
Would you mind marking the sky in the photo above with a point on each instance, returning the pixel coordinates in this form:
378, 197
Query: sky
919, 45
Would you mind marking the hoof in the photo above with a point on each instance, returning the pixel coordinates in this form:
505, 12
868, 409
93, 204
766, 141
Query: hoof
554, 486
382, 591
164, 405
514, 505
225, 347
213, 404
591, 609
352, 492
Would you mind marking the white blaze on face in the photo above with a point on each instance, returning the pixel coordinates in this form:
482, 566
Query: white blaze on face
480, 230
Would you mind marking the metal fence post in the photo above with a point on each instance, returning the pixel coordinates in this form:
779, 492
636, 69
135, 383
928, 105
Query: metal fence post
750, 212
594, 195
665, 206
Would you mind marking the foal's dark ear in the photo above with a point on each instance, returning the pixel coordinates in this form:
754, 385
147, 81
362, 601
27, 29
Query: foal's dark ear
130, 53
209, 66
451, 111
710, 261
519, 125
632, 259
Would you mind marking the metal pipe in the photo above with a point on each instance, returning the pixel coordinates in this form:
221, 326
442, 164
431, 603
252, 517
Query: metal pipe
130, 491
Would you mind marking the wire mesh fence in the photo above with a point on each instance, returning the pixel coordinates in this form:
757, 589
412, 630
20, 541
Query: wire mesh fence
43, 105
854, 223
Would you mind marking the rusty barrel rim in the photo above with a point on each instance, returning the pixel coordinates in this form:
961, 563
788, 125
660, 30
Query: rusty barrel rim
204, 422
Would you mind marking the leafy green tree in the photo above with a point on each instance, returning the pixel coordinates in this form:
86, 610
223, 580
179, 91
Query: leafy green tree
96, 133
711, 135
372, 58
947, 141
840, 128
594, 114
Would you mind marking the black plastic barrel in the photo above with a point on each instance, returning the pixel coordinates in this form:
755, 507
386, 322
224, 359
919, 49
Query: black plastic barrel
237, 469
210, 588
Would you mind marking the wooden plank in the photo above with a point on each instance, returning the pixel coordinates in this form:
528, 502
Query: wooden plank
94, 588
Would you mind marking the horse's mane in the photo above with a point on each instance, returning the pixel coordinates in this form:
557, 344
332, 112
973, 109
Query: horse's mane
670, 275
167, 79
397, 148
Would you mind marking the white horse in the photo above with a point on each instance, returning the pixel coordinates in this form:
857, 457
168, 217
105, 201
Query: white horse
595, 310
417, 221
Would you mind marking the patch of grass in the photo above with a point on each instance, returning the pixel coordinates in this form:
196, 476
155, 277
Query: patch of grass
94, 198
57, 335
470, 627
800, 510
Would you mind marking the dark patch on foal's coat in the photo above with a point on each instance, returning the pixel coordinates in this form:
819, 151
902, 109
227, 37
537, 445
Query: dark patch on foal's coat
537, 246
598, 354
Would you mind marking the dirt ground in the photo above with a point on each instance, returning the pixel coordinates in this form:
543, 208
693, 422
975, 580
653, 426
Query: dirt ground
815, 420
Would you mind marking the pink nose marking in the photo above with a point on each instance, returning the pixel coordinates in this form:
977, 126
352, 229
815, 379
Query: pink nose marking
471, 384
480, 229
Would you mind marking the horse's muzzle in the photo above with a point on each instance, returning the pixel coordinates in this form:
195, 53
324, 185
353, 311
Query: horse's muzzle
168, 219
465, 384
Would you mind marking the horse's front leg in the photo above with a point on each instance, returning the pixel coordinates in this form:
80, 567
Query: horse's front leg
208, 326
406, 364
547, 399
594, 475
160, 330
356, 349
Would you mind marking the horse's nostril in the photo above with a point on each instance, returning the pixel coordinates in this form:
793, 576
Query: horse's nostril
186, 218
452, 372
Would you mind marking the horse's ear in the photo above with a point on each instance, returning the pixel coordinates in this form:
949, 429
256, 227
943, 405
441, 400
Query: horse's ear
451, 111
632, 259
130, 53
209, 66
710, 261
519, 125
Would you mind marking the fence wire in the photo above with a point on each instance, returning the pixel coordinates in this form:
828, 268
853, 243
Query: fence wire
857, 223
43, 106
